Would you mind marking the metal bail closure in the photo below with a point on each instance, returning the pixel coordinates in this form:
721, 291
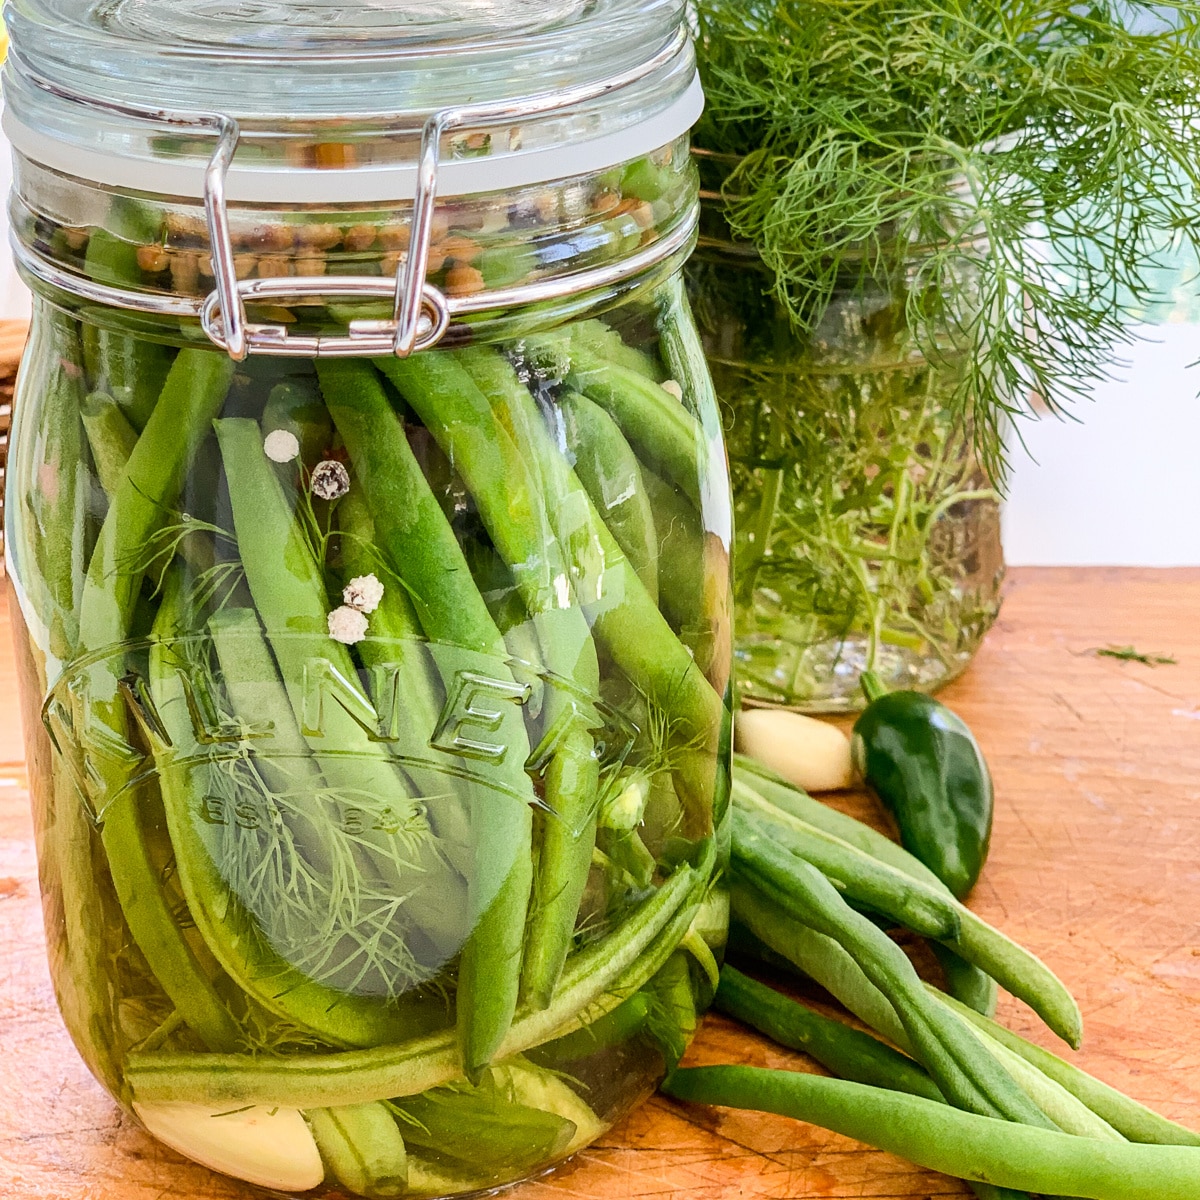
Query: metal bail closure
421, 312
421, 315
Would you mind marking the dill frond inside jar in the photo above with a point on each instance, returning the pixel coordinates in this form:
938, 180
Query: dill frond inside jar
867, 534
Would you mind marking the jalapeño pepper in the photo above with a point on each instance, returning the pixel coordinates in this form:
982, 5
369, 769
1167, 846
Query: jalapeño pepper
927, 769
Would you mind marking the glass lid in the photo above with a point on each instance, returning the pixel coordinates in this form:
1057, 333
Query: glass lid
316, 25
257, 58
324, 88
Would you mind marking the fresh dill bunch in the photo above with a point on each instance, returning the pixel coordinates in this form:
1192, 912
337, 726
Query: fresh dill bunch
1011, 166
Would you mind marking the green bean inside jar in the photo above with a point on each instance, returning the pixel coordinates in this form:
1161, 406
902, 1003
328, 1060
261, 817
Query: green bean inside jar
369, 564
867, 533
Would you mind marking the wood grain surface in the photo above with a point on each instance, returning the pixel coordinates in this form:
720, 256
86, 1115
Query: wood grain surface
13, 335
1095, 866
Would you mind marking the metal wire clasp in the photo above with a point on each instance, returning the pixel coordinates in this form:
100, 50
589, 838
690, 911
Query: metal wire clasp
420, 308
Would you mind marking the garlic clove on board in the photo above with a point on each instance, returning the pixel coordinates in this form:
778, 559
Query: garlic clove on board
811, 754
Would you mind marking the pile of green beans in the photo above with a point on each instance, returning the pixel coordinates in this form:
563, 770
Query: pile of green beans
379, 784
936, 1080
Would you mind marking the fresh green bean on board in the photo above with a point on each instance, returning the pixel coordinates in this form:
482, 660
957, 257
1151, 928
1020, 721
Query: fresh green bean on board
1001, 1153
343, 664
847, 1052
1036, 1122
967, 1078
1012, 967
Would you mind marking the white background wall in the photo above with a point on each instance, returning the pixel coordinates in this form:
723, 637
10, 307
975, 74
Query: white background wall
1120, 486
14, 299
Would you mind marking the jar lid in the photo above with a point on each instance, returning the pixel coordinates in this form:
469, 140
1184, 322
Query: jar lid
331, 96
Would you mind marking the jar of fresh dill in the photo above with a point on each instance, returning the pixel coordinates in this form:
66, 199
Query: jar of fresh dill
867, 534
925, 224
368, 531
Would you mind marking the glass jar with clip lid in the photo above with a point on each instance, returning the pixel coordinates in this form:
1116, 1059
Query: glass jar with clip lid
368, 541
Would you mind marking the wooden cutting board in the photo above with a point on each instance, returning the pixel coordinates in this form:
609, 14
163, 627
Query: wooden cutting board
1095, 866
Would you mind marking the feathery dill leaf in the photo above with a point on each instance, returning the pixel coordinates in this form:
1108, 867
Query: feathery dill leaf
1042, 149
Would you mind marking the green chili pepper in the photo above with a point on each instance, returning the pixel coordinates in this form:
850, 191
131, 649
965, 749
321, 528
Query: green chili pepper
927, 769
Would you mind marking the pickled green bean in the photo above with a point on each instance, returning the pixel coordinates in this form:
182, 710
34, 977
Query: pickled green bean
606, 341
240, 940
665, 434
361, 1144
402, 674
57, 502
290, 594
612, 1029
133, 370
680, 553
110, 436
596, 980
468, 1126
527, 470
295, 406
193, 394
627, 621
422, 550
612, 476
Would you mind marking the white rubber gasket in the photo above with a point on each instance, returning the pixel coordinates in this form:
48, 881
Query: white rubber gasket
366, 185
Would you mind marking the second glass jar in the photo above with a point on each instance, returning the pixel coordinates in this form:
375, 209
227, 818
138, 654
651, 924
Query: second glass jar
867, 534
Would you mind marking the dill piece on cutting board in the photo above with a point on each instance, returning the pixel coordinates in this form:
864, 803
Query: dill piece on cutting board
1130, 654
1039, 148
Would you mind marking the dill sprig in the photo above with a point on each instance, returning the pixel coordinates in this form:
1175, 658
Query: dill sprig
1015, 165
1131, 654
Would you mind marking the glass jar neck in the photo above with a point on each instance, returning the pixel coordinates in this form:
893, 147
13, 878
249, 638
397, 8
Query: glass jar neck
503, 260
